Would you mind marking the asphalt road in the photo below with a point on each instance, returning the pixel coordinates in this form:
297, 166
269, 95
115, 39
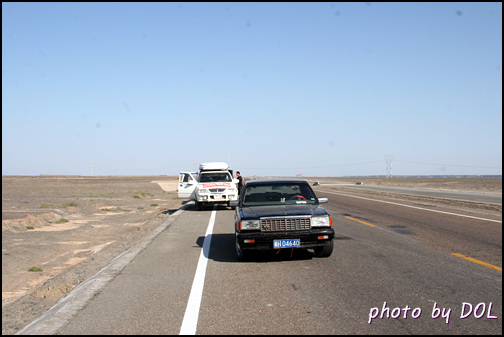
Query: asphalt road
389, 260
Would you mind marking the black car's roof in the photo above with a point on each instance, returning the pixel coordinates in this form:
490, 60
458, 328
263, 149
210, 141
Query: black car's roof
275, 181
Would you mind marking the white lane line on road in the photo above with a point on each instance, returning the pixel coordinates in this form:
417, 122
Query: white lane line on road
190, 321
420, 208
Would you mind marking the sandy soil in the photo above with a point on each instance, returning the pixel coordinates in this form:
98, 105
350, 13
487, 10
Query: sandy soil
67, 228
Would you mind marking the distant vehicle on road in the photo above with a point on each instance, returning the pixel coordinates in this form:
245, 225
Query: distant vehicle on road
214, 183
281, 213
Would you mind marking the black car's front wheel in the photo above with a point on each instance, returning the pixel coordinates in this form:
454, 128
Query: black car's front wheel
324, 251
241, 253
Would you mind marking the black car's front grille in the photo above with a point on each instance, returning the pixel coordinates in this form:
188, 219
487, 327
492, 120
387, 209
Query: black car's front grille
285, 224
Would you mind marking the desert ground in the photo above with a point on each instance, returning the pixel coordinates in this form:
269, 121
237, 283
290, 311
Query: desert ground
65, 229
58, 231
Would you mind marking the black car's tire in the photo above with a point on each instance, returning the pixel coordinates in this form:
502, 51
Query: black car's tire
324, 251
241, 253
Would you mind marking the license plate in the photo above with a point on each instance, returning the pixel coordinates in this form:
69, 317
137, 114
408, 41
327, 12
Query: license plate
218, 197
287, 243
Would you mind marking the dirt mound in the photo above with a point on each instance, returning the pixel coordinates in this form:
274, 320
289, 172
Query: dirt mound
30, 222
53, 292
167, 185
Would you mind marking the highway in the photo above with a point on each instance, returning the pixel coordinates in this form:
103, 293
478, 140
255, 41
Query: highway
396, 269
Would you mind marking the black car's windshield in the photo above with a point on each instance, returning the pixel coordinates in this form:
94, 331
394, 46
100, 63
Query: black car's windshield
278, 194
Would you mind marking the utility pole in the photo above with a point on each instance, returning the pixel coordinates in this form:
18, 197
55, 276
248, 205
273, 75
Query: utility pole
388, 160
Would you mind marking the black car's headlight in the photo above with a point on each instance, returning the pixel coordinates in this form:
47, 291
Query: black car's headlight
321, 221
249, 224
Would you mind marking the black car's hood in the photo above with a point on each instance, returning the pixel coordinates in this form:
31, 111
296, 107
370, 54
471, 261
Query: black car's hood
256, 212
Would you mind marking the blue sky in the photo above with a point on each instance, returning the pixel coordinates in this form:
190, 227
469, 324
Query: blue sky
318, 89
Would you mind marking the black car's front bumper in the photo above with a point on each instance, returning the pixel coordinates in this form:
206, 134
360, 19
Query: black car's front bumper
264, 240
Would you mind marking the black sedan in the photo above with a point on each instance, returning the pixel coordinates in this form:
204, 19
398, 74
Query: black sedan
281, 213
